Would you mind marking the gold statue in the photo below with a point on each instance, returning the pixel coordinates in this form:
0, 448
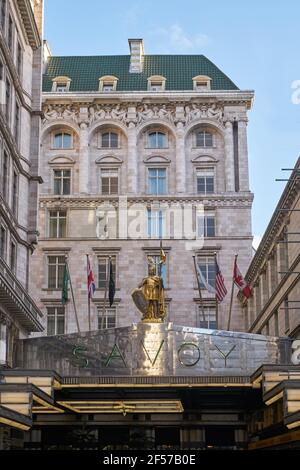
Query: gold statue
149, 297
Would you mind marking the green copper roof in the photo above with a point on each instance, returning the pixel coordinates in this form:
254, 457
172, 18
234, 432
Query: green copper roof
179, 71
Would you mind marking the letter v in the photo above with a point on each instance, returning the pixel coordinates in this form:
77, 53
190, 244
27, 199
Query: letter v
156, 356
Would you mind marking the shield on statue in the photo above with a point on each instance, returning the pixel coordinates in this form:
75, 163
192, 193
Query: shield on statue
139, 300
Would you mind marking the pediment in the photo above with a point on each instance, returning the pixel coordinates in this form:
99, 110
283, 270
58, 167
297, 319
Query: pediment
204, 159
62, 160
109, 159
157, 159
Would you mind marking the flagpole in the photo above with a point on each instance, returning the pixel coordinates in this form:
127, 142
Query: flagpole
231, 298
199, 289
216, 298
89, 299
72, 293
105, 293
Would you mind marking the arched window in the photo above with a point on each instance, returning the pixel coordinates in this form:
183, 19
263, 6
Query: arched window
157, 140
63, 140
109, 140
204, 139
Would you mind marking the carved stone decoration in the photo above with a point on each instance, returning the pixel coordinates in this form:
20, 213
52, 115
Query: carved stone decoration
112, 112
203, 111
164, 112
56, 111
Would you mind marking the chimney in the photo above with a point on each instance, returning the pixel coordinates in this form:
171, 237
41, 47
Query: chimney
136, 55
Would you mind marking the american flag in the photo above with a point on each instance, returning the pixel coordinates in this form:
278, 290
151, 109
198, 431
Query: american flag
90, 280
221, 290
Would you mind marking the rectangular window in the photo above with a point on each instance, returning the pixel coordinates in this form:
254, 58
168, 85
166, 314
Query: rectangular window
103, 270
7, 102
156, 259
108, 87
3, 243
157, 180
13, 257
61, 87
109, 181
206, 225
17, 123
10, 33
58, 224
3, 343
3, 14
209, 319
15, 194
56, 265
5, 163
62, 182
205, 181
207, 266
156, 86
19, 60
109, 320
55, 321
156, 223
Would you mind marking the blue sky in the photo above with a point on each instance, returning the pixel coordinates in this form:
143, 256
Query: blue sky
255, 43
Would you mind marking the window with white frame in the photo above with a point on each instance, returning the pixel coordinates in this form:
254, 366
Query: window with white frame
61, 84
62, 182
109, 140
160, 269
157, 140
8, 101
156, 83
207, 266
63, 140
202, 83
207, 317
206, 224
156, 223
57, 224
204, 139
13, 256
15, 193
108, 318
61, 87
3, 243
109, 181
56, 266
205, 181
5, 172
3, 14
55, 320
3, 342
103, 266
157, 181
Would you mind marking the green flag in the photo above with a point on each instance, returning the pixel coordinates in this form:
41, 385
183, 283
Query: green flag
65, 285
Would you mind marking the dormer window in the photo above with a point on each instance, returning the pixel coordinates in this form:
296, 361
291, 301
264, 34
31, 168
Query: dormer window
156, 83
201, 83
61, 84
108, 83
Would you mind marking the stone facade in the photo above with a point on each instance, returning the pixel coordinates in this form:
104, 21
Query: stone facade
274, 272
180, 116
20, 122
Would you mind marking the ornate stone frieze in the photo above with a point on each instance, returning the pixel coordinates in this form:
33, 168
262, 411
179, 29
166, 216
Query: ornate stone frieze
203, 111
56, 111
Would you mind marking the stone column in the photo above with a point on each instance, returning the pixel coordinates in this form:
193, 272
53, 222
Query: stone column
180, 159
229, 157
84, 159
243, 155
132, 160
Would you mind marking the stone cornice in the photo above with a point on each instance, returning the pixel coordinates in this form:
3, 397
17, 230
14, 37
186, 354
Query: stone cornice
29, 23
226, 97
288, 198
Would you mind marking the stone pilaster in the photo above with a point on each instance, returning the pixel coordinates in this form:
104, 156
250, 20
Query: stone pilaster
243, 155
180, 159
84, 159
132, 162
229, 157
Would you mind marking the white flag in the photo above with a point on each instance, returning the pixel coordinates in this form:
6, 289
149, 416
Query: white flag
203, 281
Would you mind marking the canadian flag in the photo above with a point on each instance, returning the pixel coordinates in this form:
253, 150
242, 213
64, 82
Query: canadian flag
240, 281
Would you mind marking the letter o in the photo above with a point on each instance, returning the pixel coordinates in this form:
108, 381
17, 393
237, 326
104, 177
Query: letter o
184, 345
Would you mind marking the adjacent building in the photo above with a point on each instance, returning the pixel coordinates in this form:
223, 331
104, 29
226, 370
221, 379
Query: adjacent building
274, 271
164, 132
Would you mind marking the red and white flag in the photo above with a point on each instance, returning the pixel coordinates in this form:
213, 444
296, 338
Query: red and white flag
221, 290
90, 280
240, 281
